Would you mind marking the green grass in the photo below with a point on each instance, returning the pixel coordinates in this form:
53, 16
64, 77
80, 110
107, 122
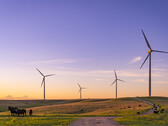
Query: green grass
31, 103
36, 121
160, 119
147, 120
62, 112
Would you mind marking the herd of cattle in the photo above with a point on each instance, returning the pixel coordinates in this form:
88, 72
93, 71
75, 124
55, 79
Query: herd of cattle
16, 111
156, 109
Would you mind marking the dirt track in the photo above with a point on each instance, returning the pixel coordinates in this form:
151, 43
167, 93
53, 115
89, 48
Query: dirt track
103, 121
95, 121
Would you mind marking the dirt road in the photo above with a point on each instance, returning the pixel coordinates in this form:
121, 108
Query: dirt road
104, 121
95, 121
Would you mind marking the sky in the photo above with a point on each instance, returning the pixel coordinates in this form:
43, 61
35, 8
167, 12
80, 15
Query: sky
81, 41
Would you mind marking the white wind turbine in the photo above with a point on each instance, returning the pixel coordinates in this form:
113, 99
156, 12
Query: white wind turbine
115, 81
80, 90
149, 56
43, 81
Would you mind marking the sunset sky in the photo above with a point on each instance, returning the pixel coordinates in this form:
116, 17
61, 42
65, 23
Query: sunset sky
82, 41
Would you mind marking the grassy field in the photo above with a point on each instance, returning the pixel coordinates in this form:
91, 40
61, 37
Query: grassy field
31, 103
104, 107
62, 112
160, 119
35, 121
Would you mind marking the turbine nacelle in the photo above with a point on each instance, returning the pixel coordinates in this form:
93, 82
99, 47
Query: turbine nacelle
150, 51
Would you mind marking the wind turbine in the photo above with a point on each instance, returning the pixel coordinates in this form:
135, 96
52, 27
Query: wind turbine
116, 79
80, 90
149, 56
43, 81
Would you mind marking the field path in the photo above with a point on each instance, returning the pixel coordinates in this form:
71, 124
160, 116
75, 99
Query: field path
104, 121
96, 121
148, 112
144, 101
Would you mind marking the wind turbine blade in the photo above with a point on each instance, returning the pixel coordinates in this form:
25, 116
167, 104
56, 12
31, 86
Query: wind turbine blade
115, 74
121, 80
146, 40
113, 82
42, 82
49, 75
83, 88
40, 72
79, 85
159, 51
145, 60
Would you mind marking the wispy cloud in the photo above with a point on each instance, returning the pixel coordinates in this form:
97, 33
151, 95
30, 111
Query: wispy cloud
135, 59
160, 82
99, 79
129, 73
158, 60
56, 61
139, 80
10, 97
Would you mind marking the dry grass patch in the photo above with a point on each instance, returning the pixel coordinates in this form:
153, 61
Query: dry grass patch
95, 107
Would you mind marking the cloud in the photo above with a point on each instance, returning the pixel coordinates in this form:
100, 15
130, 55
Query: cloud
160, 69
158, 60
139, 80
135, 59
99, 79
160, 82
56, 61
10, 97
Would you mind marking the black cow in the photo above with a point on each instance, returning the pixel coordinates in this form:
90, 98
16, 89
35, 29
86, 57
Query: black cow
162, 111
21, 111
30, 112
155, 111
13, 110
138, 113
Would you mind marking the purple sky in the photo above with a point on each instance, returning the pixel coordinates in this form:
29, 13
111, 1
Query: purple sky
82, 35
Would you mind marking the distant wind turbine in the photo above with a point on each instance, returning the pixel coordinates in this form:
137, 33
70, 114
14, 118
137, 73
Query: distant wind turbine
80, 90
43, 81
116, 79
149, 56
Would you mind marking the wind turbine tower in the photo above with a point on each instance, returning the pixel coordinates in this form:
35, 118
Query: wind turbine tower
149, 56
43, 81
80, 90
115, 81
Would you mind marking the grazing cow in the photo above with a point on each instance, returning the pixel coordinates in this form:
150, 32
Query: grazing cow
30, 112
138, 113
21, 111
154, 105
155, 111
162, 111
13, 110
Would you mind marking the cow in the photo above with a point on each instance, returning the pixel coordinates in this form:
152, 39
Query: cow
13, 110
30, 112
138, 113
162, 111
155, 111
21, 111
